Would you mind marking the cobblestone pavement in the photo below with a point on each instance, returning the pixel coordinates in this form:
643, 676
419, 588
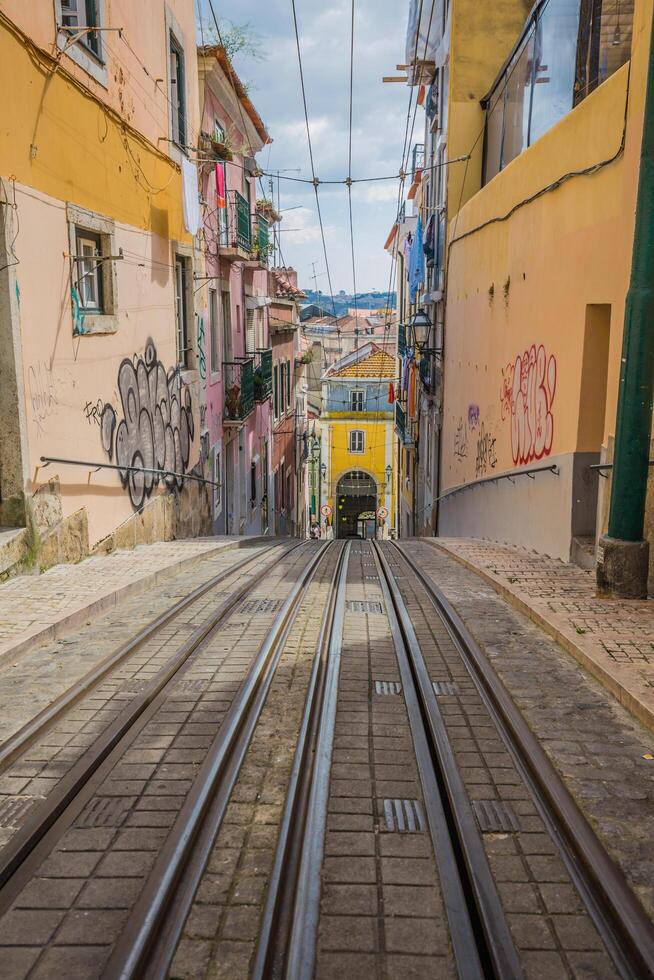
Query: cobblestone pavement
34, 679
32, 607
66, 918
600, 750
613, 639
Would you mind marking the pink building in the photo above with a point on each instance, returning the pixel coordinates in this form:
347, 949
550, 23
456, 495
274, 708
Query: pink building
237, 371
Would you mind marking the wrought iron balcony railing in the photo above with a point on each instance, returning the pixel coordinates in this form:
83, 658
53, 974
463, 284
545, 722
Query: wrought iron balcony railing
401, 339
263, 374
239, 224
239, 389
418, 158
403, 426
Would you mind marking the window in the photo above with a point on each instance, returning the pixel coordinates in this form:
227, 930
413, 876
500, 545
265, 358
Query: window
250, 331
567, 49
177, 92
357, 401
181, 309
253, 484
288, 384
213, 331
217, 479
282, 387
276, 391
356, 441
89, 271
79, 14
226, 311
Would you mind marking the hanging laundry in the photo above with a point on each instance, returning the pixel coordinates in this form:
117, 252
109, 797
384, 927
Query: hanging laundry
411, 407
391, 393
190, 197
428, 241
417, 266
220, 186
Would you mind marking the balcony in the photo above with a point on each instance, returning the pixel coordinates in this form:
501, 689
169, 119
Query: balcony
403, 426
236, 233
239, 390
263, 373
418, 159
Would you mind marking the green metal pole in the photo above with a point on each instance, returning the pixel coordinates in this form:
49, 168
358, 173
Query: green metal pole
634, 418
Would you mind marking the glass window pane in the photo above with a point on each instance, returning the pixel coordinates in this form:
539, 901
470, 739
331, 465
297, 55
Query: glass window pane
556, 58
494, 123
518, 96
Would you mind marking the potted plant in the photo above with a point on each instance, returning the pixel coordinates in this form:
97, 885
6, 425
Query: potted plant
268, 210
222, 146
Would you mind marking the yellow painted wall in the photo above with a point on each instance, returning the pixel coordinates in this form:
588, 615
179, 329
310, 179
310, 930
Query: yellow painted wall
82, 153
529, 281
374, 460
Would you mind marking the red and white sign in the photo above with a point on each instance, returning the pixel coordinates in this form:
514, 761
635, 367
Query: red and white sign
382, 513
326, 510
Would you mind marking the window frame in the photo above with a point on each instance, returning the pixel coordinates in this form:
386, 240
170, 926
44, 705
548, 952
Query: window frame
177, 97
93, 276
182, 263
358, 394
355, 436
214, 353
81, 52
88, 224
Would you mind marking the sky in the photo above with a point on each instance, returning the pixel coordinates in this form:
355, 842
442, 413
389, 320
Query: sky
379, 117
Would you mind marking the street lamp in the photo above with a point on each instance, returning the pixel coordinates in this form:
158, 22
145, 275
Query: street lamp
389, 473
420, 331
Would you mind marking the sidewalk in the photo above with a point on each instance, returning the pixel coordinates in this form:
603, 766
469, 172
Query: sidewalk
613, 639
37, 608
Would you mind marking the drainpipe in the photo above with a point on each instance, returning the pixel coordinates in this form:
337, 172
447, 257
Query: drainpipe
623, 555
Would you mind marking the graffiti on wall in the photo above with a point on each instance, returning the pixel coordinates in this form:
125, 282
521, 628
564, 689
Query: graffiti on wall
44, 398
202, 357
526, 397
93, 412
461, 440
486, 454
473, 416
156, 430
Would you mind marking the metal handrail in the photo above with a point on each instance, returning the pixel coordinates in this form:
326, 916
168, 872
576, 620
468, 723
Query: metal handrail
609, 466
552, 468
46, 460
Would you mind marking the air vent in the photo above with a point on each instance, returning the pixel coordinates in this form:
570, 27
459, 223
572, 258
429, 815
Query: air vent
494, 817
404, 816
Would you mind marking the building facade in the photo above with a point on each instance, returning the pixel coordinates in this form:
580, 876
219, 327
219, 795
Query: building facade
236, 375
98, 214
357, 458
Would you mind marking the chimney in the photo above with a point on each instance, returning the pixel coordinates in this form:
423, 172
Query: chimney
291, 275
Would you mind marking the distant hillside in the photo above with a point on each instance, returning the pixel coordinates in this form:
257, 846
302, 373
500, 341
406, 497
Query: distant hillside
344, 301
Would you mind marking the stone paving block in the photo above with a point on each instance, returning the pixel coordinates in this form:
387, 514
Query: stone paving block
49, 893
17, 961
72, 962
23, 927
419, 968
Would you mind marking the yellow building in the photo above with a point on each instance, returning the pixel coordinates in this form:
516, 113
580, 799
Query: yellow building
356, 430
538, 269
98, 338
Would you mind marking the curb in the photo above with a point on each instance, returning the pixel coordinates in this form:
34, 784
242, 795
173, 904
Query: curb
77, 617
642, 712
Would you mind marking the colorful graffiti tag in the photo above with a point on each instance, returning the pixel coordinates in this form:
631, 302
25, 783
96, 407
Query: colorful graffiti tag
526, 397
157, 427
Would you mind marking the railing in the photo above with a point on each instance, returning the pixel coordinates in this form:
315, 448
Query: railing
600, 467
403, 429
401, 339
263, 374
239, 389
46, 460
418, 158
531, 473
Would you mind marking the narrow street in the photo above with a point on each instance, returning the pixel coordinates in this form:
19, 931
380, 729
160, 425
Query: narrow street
325, 758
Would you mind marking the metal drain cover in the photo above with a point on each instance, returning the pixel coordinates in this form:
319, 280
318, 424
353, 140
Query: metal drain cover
495, 817
14, 808
404, 816
363, 606
261, 606
387, 687
104, 811
445, 687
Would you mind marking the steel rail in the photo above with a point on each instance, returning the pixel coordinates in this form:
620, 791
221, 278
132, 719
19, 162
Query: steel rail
47, 820
21, 740
481, 939
288, 897
621, 920
147, 944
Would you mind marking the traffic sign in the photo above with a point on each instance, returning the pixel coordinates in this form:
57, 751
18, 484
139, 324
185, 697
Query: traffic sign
382, 513
326, 510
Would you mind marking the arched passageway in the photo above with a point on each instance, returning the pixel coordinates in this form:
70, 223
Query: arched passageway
356, 505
